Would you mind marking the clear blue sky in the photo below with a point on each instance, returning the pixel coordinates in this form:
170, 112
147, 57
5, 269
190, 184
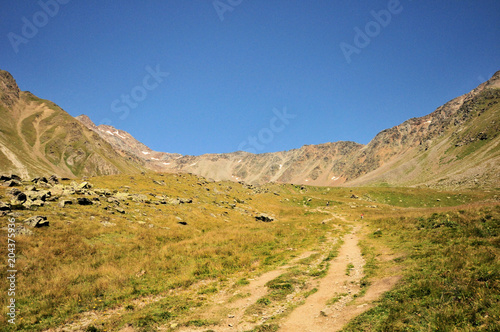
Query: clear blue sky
226, 76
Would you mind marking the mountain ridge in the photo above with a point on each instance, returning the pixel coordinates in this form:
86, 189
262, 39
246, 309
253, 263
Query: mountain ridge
456, 145
37, 137
391, 157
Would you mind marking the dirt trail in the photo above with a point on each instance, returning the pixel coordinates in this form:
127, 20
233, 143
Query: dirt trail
257, 289
315, 315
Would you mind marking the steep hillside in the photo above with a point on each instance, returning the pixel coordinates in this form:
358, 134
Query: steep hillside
127, 145
311, 164
38, 138
455, 146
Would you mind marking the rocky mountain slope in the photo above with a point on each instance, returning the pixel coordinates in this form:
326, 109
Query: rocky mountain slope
457, 145
454, 146
37, 137
127, 145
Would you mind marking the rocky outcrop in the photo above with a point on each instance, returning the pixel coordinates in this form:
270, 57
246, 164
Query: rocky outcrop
452, 146
408, 154
39, 138
9, 91
36, 222
264, 218
128, 146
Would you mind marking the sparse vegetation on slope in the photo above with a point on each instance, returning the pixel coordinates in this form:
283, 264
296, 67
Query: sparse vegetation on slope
451, 272
97, 257
156, 250
37, 137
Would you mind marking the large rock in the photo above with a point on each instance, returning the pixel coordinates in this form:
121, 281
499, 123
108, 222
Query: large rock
53, 179
4, 206
103, 192
63, 202
39, 180
12, 183
29, 204
37, 222
37, 203
84, 185
119, 210
68, 191
121, 196
174, 201
38, 195
19, 196
45, 185
84, 201
16, 204
140, 198
4, 178
18, 199
264, 217
113, 200
57, 190
14, 192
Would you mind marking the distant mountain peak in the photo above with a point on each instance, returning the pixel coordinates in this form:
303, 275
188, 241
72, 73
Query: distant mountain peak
494, 81
454, 146
86, 121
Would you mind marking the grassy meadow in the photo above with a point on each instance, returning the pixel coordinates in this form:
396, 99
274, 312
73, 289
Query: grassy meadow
149, 264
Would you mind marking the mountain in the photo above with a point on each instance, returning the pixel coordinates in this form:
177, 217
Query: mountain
127, 145
305, 165
37, 137
457, 145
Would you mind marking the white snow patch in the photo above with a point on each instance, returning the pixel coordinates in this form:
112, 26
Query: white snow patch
281, 166
166, 163
429, 121
307, 180
145, 152
110, 133
118, 134
239, 161
153, 158
193, 164
335, 178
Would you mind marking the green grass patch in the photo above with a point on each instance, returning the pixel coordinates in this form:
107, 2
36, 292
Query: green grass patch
336, 298
452, 274
349, 268
310, 292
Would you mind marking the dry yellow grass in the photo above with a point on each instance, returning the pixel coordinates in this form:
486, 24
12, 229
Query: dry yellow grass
92, 260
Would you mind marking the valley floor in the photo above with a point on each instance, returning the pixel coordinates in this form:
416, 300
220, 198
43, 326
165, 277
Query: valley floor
170, 252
